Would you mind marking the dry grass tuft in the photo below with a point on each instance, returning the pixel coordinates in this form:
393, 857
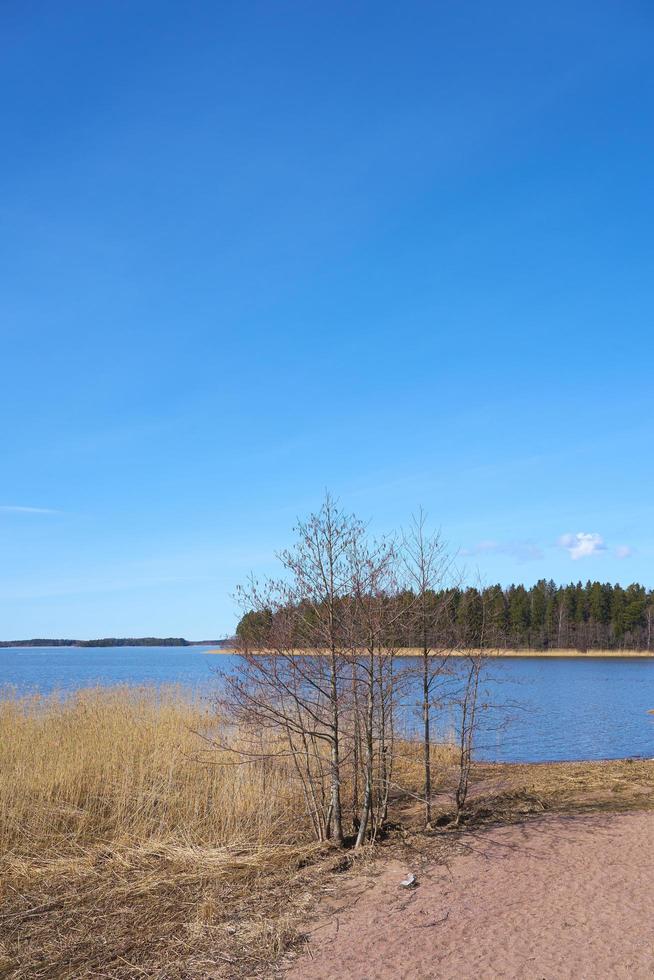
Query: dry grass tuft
504, 793
127, 849
620, 784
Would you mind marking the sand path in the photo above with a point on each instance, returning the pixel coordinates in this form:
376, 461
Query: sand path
549, 899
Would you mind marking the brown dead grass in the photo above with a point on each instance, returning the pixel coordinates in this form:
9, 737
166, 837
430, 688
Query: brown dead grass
623, 784
128, 849
129, 764
157, 910
502, 793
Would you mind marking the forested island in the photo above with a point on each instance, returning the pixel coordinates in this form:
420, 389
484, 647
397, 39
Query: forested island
112, 641
594, 616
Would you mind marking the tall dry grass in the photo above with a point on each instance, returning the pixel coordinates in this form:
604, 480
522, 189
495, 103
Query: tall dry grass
131, 764
131, 846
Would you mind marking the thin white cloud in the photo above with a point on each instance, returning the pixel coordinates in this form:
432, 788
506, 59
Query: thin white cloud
521, 550
623, 551
16, 509
582, 544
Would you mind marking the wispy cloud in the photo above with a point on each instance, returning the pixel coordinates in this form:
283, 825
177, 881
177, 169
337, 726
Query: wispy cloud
521, 550
16, 509
582, 544
623, 551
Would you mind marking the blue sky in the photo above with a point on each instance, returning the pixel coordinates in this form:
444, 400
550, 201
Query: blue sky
251, 251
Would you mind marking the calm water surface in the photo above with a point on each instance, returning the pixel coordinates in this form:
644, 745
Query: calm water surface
540, 710
48, 669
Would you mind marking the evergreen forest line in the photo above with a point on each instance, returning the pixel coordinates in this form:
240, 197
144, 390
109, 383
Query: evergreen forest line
590, 616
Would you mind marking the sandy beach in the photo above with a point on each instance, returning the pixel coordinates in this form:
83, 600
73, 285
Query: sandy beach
498, 653
556, 897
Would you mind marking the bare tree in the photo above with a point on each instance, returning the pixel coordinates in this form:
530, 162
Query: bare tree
316, 683
426, 565
374, 612
320, 566
468, 704
293, 674
474, 644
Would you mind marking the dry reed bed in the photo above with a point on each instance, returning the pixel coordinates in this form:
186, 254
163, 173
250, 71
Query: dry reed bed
128, 764
130, 848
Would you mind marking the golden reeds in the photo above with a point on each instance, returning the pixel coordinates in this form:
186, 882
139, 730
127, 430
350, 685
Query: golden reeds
129, 847
128, 764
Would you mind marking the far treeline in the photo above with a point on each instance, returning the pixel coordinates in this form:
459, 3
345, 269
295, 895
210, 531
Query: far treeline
113, 641
594, 616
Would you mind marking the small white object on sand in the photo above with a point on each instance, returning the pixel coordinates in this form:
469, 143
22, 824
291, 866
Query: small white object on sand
409, 882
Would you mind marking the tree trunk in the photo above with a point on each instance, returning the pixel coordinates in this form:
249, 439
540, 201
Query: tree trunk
426, 733
335, 764
366, 808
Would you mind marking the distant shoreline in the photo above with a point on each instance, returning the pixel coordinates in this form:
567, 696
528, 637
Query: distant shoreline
509, 654
217, 649
108, 642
